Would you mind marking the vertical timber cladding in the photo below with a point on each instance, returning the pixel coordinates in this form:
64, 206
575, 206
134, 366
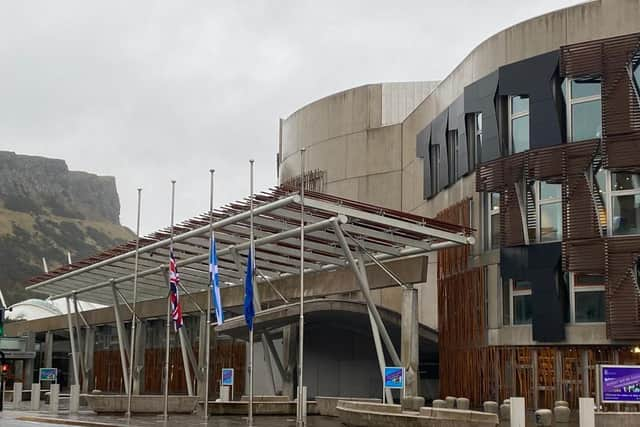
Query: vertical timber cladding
612, 60
461, 316
224, 354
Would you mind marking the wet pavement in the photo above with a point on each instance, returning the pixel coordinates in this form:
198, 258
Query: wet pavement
26, 419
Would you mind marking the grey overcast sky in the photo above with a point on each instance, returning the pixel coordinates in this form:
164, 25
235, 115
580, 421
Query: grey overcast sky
149, 91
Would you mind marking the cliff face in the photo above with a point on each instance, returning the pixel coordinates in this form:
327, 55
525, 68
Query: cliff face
47, 211
40, 185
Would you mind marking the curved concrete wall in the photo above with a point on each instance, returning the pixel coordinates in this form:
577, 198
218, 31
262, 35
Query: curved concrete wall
355, 137
364, 159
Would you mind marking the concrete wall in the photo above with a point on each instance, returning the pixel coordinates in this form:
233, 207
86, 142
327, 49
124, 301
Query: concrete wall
372, 163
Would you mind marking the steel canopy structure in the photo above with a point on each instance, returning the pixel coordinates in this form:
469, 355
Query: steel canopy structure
381, 233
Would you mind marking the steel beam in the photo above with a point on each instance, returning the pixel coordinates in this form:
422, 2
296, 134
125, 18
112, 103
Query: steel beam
74, 353
362, 282
123, 342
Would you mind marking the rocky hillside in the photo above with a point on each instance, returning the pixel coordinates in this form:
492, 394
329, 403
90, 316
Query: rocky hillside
47, 210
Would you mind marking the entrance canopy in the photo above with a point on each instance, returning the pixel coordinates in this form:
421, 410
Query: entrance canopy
379, 234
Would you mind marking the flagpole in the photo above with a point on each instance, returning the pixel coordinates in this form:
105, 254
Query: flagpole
168, 328
134, 317
301, 420
210, 293
252, 261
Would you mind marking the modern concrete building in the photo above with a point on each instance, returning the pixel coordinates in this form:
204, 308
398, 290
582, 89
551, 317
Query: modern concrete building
531, 141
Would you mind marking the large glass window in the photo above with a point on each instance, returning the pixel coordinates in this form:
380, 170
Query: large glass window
584, 109
521, 306
519, 124
588, 298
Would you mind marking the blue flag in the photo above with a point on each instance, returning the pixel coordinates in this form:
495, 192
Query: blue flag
249, 310
215, 281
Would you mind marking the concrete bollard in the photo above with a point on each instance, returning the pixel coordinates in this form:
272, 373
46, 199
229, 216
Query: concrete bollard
225, 390
17, 395
451, 402
439, 403
543, 417
54, 399
505, 412
561, 403
587, 412
491, 407
74, 399
35, 396
517, 415
412, 403
561, 414
462, 403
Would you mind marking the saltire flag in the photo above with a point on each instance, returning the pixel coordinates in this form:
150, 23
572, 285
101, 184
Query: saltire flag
174, 281
249, 310
215, 281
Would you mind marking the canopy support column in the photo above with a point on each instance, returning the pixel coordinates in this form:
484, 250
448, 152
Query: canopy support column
122, 340
367, 295
184, 344
388, 396
81, 349
89, 346
202, 354
138, 363
410, 351
48, 349
74, 354
274, 353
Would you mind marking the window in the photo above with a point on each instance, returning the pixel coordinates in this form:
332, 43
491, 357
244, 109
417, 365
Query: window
518, 124
550, 212
474, 138
620, 192
522, 310
434, 159
543, 206
584, 109
492, 221
452, 155
588, 298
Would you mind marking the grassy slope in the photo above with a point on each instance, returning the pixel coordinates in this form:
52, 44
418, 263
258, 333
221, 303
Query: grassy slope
25, 238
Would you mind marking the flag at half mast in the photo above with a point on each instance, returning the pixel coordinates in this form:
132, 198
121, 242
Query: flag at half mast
249, 310
174, 282
215, 281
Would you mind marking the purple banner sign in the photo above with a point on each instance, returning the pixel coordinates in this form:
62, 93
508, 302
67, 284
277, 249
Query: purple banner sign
621, 383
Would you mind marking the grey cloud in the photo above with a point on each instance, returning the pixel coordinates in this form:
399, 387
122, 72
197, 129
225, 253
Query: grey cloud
152, 91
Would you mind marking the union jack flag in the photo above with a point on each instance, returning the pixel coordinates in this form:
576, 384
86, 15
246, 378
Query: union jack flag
174, 281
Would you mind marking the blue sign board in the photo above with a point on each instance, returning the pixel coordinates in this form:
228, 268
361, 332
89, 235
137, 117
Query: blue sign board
227, 376
49, 374
620, 383
393, 377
